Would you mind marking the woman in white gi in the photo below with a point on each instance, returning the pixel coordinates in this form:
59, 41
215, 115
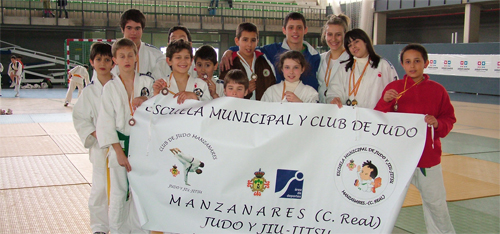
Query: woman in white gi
333, 35
179, 83
292, 64
119, 99
362, 79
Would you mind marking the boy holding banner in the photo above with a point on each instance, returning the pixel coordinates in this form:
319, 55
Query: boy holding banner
179, 82
119, 100
415, 93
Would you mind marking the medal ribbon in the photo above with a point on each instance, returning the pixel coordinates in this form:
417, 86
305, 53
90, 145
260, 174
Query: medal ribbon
327, 81
168, 84
131, 96
284, 88
244, 61
352, 77
406, 89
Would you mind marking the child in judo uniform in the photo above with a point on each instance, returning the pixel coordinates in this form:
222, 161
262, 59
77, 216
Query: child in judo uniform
292, 64
120, 97
85, 114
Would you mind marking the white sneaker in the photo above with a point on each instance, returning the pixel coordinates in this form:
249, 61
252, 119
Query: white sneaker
12, 85
17, 95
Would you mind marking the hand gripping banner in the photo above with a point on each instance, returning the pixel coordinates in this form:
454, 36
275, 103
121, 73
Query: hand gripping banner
240, 166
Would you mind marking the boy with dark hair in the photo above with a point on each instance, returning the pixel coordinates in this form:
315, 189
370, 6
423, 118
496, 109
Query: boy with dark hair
255, 64
132, 23
163, 70
85, 114
120, 97
180, 83
294, 28
417, 94
179, 32
236, 84
205, 60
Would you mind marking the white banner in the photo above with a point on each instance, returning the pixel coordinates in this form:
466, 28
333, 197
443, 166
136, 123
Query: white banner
270, 167
483, 66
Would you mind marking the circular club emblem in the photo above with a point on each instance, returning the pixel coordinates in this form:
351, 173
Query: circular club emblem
266, 72
365, 176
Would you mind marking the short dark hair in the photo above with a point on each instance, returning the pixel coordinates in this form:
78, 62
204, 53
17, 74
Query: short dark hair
360, 34
206, 52
175, 28
134, 15
370, 165
416, 47
123, 42
100, 48
294, 16
236, 76
246, 27
295, 55
13, 57
177, 46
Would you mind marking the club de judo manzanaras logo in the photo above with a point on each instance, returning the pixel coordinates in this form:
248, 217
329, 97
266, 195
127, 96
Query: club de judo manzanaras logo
289, 183
365, 176
258, 184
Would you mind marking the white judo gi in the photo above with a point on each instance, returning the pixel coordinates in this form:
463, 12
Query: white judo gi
325, 75
304, 92
371, 87
1, 70
149, 58
16, 69
190, 164
78, 75
114, 116
195, 85
219, 87
85, 113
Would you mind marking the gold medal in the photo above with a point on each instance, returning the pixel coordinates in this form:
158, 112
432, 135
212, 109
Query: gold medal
348, 102
131, 122
354, 102
396, 107
164, 91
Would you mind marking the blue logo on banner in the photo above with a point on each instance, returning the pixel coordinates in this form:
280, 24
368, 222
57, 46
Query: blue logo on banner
289, 183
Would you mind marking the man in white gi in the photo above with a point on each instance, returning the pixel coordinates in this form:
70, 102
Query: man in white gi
132, 23
15, 72
76, 77
190, 164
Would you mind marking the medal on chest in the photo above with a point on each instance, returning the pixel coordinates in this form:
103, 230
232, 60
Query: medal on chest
354, 84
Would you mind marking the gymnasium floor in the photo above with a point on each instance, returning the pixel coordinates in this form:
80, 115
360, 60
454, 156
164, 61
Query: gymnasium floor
45, 175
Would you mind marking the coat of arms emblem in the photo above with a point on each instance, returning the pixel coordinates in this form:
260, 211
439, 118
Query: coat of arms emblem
258, 184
